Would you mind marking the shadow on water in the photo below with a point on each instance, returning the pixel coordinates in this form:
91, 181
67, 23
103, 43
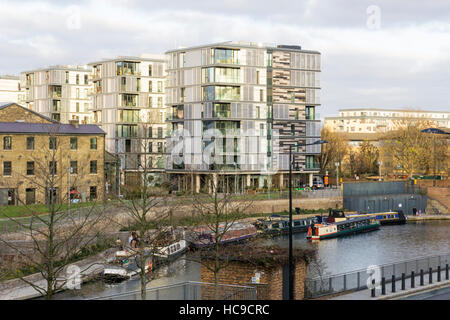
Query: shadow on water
386, 245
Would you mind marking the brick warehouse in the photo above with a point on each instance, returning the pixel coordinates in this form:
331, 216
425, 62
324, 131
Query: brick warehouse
33, 146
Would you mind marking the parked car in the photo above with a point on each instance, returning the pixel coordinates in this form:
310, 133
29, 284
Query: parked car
318, 185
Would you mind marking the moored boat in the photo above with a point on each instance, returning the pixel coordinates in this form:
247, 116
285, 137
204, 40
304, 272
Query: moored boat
280, 225
321, 231
385, 218
204, 237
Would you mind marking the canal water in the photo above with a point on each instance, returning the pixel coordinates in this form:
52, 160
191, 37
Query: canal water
389, 244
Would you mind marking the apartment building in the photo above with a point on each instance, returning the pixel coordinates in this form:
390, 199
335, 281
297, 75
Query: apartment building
372, 120
59, 92
235, 110
35, 149
128, 103
10, 89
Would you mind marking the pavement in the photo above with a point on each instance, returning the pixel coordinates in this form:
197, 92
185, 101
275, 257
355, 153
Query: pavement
398, 294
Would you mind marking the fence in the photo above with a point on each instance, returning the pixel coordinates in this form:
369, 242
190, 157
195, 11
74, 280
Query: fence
297, 194
191, 290
357, 280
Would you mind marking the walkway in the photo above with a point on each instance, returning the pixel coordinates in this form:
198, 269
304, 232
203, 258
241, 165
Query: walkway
366, 294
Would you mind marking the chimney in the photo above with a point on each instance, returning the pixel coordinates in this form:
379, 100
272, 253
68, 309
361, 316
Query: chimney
75, 123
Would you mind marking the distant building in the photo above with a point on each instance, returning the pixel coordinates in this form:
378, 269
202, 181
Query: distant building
61, 93
375, 121
11, 90
128, 103
32, 146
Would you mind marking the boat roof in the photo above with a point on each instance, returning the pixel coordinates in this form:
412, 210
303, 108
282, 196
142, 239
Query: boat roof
353, 220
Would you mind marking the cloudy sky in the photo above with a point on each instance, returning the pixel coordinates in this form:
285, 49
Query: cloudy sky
384, 54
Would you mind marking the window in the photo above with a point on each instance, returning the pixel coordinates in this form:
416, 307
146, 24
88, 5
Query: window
159, 86
160, 147
292, 130
160, 132
30, 168
292, 96
150, 86
150, 147
7, 143
67, 76
7, 168
150, 71
73, 143
310, 113
261, 129
150, 132
258, 112
261, 95
73, 167
160, 102
78, 79
123, 84
52, 167
30, 195
93, 167
52, 143
85, 79
93, 143
30, 143
150, 102
77, 107
127, 145
228, 56
93, 193
138, 84
257, 76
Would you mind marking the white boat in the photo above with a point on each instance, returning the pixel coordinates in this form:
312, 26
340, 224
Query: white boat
172, 250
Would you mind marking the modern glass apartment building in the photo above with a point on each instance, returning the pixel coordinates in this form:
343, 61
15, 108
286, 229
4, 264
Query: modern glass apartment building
128, 102
235, 109
59, 92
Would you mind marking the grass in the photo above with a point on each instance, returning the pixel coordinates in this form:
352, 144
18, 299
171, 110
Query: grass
32, 209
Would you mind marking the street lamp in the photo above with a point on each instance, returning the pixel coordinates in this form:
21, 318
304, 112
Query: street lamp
337, 174
379, 170
291, 259
434, 131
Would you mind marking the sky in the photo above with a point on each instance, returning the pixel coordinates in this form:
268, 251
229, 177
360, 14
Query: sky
379, 54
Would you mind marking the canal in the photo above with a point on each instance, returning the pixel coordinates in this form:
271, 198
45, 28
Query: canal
389, 244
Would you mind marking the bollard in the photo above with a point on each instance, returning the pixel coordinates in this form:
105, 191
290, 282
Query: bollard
393, 283
421, 277
373, 289
413, 279
439, 273
403, 281
383, 286
446, 271
430, 275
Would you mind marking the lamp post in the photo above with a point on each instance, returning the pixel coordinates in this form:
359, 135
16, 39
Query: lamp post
337, 174
434, 131
291, 258
379, 170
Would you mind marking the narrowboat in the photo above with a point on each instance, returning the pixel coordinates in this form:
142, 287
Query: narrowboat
321, 231
385, 218
281, 225
204, 237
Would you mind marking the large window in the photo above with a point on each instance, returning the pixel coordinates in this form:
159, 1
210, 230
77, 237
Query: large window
160, 132
92, 193
30, 168
221, 74
73, 143
126, 130
73, 167
7, 143
129, 68
93, 143
7, 168
129, 100
129, 115
228, 56
52, 143
30, 143
222, 110
52, 167
221, 93
93, 167
310, 113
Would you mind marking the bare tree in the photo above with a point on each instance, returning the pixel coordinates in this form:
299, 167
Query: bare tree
218, 212
147, 207
334, 150
58, 236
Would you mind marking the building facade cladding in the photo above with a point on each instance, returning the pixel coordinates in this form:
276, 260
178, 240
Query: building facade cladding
11, 90
61, 93
375, 121
257, 91
129, 104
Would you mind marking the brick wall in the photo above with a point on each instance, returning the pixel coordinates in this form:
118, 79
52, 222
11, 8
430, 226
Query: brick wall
271, 280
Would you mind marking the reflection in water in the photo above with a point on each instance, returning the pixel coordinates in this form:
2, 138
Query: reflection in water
389, 244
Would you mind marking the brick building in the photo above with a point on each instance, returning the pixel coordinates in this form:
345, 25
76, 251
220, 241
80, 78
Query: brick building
40, 159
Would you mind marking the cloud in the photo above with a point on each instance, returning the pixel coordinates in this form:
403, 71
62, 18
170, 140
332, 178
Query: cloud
401, 64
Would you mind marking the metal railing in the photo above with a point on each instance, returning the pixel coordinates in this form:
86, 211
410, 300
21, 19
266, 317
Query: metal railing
357, 280
190, 290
